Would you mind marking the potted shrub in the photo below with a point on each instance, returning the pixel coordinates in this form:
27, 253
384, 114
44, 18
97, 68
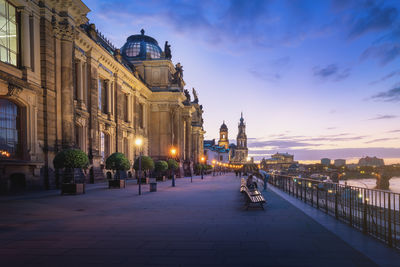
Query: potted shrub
147, 166
119, 164
72, 162
160, 167
172, 166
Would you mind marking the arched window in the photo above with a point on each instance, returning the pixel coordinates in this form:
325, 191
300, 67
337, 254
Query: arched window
10, 129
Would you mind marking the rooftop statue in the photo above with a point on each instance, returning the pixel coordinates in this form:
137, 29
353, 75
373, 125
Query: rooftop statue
178, 75
196, 98
167, 50
187, 94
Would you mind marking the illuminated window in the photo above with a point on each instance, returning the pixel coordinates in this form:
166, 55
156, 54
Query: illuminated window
8, 33
9, 129
104, 146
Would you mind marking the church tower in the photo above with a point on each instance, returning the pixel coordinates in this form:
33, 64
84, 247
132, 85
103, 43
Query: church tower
241, 151
223, 136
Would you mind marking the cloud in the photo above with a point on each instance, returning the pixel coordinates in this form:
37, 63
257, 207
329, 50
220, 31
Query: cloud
280, 144
331, 71
317, 154
270, 77
379, 140
386, 77
374, 18
384, 53
392, 95
383, 117
394, 131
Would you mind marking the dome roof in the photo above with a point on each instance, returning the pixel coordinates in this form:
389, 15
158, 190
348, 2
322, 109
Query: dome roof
223, 127
141, 47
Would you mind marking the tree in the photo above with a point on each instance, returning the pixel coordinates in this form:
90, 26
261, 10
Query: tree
117, 162
70, 159
172, 164
160, 167
147, 164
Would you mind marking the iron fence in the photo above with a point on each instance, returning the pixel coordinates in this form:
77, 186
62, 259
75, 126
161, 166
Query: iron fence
374, 212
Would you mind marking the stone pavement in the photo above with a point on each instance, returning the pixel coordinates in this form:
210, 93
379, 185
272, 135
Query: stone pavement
199, 223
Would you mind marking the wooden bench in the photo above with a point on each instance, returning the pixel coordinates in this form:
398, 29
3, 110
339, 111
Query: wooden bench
252, 196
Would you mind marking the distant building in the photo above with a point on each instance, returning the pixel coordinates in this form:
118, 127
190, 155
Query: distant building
223, 136
340, 162
326, 161
371, 161
240, 152
278, 161
215, 152
352, 166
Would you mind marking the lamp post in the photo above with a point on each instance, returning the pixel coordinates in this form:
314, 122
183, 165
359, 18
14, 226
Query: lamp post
202, 159
172, 153
138, 143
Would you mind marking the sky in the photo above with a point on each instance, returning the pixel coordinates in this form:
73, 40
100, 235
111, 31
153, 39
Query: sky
312, 78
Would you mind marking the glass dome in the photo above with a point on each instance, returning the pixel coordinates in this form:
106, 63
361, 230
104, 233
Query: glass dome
141, 47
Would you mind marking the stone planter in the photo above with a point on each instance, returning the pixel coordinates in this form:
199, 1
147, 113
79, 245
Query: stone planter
116, 183
72, 189
153, 187
164, 178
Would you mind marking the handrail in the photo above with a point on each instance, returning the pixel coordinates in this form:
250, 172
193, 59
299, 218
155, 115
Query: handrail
375, 212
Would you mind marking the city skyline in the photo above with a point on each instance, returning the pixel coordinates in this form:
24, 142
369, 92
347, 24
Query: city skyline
316, 79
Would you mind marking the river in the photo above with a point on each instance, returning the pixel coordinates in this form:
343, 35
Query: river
371, 183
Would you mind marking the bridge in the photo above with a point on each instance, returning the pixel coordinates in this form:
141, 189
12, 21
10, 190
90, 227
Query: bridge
198, 223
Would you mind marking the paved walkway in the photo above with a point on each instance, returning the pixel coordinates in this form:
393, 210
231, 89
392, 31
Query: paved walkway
199, 223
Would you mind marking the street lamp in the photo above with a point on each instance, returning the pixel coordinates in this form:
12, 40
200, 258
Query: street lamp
173, 153
202, 159
139, 143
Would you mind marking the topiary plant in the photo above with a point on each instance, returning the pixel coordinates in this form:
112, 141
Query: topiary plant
160, 166
117, 162
172, 164
71, 158
147, 163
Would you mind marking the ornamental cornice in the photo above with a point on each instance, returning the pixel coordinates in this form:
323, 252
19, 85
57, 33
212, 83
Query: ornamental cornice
64, 30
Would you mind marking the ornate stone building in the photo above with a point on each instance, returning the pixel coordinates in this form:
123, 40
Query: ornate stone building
239, 152
63, 84
223, 136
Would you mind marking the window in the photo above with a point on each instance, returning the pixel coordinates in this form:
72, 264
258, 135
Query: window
76, 80
8, 33
104, 146
153, 51
141, 113
133, 50
9, 129
125, 109
102, 95
78, 136
126, 146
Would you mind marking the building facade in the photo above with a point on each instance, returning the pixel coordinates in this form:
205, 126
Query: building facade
371, 161
64, 85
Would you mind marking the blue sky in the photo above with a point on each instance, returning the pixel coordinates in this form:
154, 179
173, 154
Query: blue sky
313, 78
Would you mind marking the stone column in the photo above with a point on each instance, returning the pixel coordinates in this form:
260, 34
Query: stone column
25, 39
66, 34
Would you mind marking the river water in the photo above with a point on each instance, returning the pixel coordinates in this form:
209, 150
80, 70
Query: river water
371, 183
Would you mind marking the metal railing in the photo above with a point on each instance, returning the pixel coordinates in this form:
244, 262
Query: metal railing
374, 212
